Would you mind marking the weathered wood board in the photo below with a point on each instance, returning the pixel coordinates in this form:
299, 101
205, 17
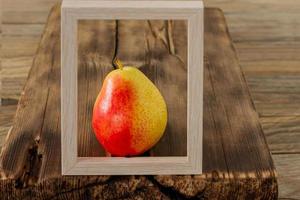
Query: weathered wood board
273, 47
288, 175
283, 134
6, 119
236, 162
159, 49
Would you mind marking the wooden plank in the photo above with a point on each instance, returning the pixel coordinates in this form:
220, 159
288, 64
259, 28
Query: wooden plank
35, 94
22, 29
271, 67
23, 22
272, 73
265, 57
282, 133
286, 101
232, 90
17, 59
6, 120
16, 17
30, 159
277, 23
147, 51
284, 84
233, 9
19, 46
6, 117
248, 6
32, 5
288, 169
12, 89
26, 12
269, 58
15, 66
0, 54
269, 19
275, 94
95, 62
17, 54
269, 51
153, 51
14, 74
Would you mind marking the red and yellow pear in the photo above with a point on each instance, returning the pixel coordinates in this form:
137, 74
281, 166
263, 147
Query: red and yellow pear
130, 114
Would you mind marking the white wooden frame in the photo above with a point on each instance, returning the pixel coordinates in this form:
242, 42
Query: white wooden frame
74, 10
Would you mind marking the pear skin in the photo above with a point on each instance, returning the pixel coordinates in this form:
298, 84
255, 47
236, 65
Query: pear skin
130, 114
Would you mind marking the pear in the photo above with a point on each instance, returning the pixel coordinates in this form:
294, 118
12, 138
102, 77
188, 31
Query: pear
130, 114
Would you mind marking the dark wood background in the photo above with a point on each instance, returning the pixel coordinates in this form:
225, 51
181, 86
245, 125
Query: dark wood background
266, 34
159, 49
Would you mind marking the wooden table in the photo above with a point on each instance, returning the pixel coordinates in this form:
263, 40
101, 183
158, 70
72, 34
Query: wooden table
236, 163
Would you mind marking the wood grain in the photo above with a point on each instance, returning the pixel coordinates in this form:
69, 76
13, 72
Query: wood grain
7, 114
282, 133
29, 12
150, 50
1, 30
271, 53
283, 90
22, 25
288, 169
268, 55
277, 104
265, 17
167, 68
95, 55
155, 53
34, 144
19, 51
19, 46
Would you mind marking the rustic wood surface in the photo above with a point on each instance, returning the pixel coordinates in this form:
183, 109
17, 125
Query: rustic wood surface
269, 52
152, 49
236, 156
6, 120
266, 34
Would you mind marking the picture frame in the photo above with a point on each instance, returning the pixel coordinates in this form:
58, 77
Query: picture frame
74, 10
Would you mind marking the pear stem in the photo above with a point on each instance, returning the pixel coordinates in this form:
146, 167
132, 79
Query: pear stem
118, 63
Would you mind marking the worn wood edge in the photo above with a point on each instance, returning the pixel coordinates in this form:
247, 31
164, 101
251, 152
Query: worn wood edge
23, 98
246, 7
210, 185
212, 180
271, 174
